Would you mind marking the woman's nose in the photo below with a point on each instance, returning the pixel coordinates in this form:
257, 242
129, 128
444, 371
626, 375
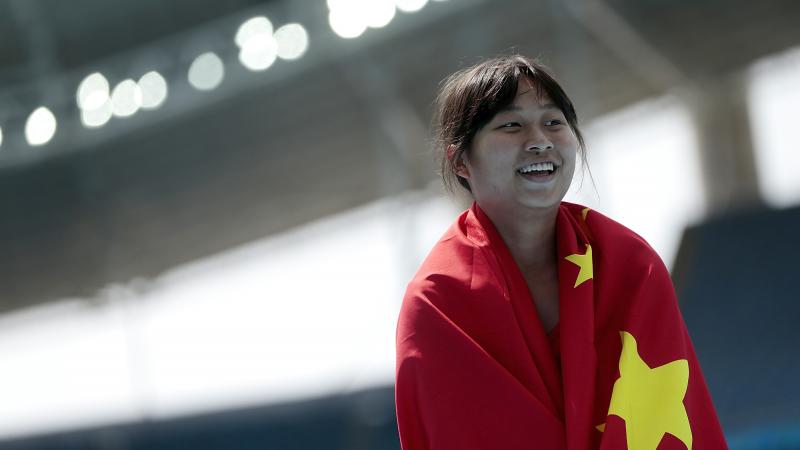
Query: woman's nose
538, 142
540, 147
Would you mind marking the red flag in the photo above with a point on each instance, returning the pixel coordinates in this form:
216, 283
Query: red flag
476, 369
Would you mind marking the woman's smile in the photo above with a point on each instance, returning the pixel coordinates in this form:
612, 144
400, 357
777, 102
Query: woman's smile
538, 172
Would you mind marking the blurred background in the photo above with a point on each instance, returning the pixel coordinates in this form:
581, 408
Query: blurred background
209, 210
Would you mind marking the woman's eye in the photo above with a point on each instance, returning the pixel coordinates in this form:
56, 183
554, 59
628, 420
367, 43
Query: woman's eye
510, 125
554, 122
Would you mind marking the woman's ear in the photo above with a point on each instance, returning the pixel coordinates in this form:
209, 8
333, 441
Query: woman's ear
459, 164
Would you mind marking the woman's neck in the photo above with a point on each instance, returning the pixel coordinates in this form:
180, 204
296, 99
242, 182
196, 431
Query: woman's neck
530, 236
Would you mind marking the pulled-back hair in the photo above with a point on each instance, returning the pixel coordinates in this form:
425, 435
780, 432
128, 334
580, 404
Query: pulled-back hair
471, 97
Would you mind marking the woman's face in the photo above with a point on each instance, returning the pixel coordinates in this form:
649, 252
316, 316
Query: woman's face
523, 157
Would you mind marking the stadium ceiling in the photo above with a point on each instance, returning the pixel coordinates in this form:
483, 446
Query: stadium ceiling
345, 124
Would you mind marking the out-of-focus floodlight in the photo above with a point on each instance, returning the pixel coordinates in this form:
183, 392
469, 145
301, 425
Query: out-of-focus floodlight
40, 126
126, 98
93, 91
350, 18
93, 118
292, 40
259, 52
251, 28
257, 46
410, 5
348, 22
1, 137
154, 90
378, 13
206, 72
339, 4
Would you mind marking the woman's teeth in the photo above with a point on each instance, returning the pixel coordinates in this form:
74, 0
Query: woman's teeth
538, 168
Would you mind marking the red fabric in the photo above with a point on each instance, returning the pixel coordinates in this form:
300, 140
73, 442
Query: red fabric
476, 370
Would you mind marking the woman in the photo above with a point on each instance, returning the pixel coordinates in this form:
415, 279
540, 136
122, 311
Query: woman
536, 323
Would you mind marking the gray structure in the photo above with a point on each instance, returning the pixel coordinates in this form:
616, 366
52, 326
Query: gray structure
345, 124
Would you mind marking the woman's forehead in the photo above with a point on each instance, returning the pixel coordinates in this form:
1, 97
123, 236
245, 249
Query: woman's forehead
525, 84
527, 88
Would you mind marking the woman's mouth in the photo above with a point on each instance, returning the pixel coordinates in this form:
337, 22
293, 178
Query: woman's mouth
538, 171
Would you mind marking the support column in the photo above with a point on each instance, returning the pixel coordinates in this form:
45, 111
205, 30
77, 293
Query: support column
720, 110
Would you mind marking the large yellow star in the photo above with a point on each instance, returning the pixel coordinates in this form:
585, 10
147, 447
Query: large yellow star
585, 263
650, 400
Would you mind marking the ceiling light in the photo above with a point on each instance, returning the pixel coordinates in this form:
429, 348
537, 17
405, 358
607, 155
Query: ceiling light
206, 72
410, 5
256, 26
40, 126
259, 52
347, 24
126, 98
292, 41
93, 118
93, 91
378, 13
154, 90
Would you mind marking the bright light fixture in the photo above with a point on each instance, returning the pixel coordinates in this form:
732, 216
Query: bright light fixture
93, 118
126, 98
40, 126
154, 90
378, 13
350, 18
252, 28
410, 5
259, 52
206, 72
292, 41
93, 91
345, 24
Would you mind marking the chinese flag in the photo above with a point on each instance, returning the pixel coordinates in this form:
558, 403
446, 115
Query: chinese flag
476, 370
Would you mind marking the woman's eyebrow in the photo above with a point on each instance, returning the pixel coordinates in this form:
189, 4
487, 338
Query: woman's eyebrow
515, 108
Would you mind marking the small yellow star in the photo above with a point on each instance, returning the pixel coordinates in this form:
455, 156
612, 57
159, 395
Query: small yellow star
585, 263
650, 400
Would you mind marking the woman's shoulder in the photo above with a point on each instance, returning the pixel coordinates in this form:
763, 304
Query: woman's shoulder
606, 231
443, 277
446, 267
446, 276
613, 241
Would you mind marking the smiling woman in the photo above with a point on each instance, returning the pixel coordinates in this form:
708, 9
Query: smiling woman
540, 175
537, 323
472, 97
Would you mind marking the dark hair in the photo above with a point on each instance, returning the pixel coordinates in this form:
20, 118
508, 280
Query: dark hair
471, 97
